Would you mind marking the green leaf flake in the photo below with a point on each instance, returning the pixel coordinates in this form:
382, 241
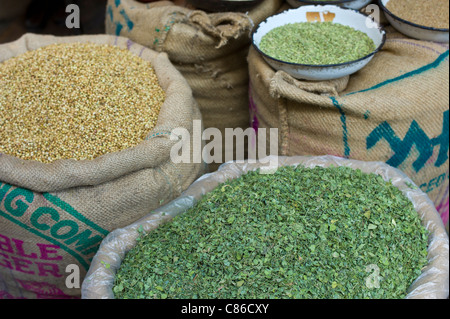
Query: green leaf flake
279, 235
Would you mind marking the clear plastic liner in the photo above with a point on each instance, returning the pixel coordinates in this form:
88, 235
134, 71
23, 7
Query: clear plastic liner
433, 283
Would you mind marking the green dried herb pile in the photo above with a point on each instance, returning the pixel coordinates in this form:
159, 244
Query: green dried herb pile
298, 233
319, 43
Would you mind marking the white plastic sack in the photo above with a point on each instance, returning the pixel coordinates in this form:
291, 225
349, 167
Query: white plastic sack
433, 283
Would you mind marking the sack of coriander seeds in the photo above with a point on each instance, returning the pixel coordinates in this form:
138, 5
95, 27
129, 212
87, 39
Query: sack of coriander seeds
55, 214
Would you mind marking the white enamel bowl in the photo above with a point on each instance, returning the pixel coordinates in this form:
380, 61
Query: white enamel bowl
414, 30
337, 14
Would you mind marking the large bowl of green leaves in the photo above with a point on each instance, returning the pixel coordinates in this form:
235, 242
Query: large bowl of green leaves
300, 227
318, 42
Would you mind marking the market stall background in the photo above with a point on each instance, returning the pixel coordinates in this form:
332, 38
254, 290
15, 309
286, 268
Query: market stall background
48, 17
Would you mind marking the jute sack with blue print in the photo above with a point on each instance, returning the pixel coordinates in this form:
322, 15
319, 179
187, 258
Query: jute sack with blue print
209, 49
54, 216
395, 110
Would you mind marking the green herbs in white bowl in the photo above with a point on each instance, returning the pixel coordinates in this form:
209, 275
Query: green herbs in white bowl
318, 42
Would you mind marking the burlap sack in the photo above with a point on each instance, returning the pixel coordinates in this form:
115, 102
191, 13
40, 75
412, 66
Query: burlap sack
210, 51
55, 215
395, 110
432, 283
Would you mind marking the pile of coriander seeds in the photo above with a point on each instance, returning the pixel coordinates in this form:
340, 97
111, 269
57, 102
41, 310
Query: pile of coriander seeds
76, 101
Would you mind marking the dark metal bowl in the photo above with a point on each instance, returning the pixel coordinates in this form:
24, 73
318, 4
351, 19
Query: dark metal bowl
225, 5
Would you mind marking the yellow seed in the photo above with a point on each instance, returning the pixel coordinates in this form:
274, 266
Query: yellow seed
77, 101
429, 13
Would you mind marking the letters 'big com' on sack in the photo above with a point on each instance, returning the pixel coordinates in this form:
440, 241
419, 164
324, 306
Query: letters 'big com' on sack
209, 49
395, 110
55, 215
